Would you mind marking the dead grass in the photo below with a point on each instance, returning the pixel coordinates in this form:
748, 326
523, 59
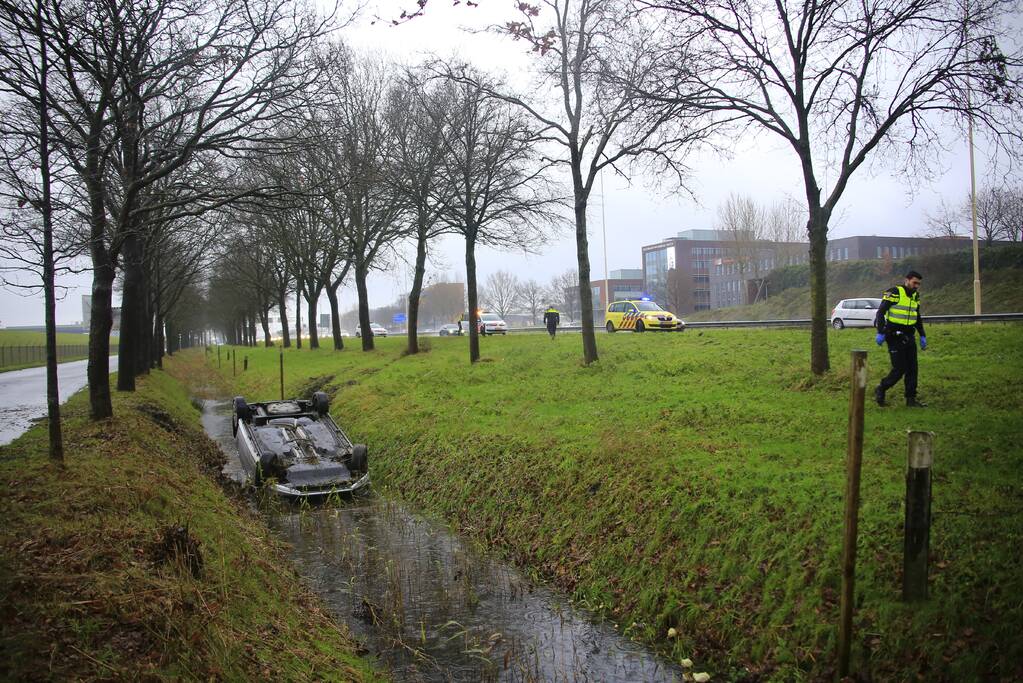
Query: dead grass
131, 563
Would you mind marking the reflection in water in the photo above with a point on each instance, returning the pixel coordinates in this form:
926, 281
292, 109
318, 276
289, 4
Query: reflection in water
432, 607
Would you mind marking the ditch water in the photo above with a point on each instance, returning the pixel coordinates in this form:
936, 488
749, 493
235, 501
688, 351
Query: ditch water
431, 607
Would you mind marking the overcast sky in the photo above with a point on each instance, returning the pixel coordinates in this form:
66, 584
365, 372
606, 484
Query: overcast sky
878, 201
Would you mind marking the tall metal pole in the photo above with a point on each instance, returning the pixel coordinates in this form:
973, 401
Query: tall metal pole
973, 213
603, 227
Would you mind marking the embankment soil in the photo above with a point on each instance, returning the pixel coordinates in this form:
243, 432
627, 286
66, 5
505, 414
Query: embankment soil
132, 562
695, 482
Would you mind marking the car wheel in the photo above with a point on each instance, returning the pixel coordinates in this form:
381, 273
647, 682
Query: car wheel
234, 425
264, 466
837, 323
610, 327
360, 458
639, 326
321, 403
241, 409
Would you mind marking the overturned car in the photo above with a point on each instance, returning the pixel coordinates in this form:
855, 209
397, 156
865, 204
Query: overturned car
296, 444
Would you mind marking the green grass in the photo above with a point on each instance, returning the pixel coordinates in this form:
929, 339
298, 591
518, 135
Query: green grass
88, 589
20, 349
695, 481
24, 338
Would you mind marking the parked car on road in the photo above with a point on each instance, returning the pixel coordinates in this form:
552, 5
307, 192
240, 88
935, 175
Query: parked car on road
854, 313
640, 315
378, 330
297, 448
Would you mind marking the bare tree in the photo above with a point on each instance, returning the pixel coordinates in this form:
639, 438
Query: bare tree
143, 88
947, 221
500, 193
745, 227
416, 109
532, 294
356, 146
839, 82
593, 55
564, 291
501, 292
679, 292
26, 179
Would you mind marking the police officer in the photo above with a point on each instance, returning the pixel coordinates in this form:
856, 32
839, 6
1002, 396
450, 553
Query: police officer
897, 320
551, 318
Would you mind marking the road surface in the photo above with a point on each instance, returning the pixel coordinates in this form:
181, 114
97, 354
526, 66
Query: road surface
23, 394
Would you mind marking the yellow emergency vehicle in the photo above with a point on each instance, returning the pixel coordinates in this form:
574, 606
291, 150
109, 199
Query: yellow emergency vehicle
640, 315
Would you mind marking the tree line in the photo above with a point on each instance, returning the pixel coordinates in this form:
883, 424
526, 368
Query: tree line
214, 160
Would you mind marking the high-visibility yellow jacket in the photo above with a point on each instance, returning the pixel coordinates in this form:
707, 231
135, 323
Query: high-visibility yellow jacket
899, 312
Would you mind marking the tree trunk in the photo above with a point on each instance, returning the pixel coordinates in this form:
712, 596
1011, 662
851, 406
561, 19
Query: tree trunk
335, 317
298, 317
282, 307
52, 389
158, 340
415, 293
470, 284
360, 287
585, 293
252, 328
311, 303
817, 230
100, 321
264, 321
131, 312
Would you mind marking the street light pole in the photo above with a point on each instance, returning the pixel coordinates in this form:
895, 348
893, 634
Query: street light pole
973, 213
603, 227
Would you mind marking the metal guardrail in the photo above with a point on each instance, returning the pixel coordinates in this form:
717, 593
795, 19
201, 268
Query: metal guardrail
800, 322
28, 354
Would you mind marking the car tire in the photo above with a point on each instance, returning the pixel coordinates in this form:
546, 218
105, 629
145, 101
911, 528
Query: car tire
321, 404
610, 327
359, 461
263, 464
837, 323
640, 327
241, 409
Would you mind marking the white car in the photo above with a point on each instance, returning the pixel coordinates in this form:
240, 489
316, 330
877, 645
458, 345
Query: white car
855, 313
491, 323
378, 330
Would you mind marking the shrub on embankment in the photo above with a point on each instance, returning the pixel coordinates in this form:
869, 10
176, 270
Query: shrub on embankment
132, 563
695, 481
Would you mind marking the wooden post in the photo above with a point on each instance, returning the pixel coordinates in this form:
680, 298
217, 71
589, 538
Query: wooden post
853, 461
918, 516
218, 355
282, 373
245, 363
234, 363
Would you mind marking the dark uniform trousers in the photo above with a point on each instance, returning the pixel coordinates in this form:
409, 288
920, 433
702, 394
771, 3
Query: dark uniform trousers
902, 350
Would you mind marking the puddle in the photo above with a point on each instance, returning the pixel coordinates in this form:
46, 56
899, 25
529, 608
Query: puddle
431, 607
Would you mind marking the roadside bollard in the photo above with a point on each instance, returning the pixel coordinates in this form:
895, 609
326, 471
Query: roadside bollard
918, 516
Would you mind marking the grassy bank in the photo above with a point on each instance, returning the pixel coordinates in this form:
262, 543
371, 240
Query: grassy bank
131, 562
947, 288
694, 481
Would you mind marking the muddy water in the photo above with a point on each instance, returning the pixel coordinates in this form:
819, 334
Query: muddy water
433, 608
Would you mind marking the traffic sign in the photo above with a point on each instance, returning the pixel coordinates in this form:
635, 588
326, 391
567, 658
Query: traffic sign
398, 318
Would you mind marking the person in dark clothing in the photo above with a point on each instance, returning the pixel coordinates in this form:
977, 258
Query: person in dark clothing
551, 318
897, 321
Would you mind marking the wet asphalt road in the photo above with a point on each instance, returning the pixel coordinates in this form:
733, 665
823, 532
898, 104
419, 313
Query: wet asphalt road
23, 394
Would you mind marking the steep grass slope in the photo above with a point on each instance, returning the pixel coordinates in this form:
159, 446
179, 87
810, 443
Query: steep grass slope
695, 481
131, 564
